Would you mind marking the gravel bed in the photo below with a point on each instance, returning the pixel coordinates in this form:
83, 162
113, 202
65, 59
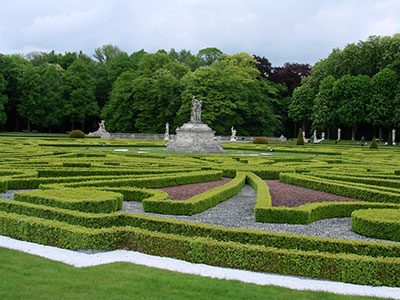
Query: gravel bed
238, 212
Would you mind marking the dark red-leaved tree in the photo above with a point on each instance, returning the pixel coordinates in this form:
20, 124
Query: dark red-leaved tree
290, 75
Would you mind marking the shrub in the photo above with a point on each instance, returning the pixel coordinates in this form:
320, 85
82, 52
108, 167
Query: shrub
300, 139
260, 140
75, 134
373, 144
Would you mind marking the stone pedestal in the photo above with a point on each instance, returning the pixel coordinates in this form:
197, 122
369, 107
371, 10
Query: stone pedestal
195, 137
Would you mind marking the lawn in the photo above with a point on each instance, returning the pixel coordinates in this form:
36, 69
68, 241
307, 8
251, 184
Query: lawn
24, 276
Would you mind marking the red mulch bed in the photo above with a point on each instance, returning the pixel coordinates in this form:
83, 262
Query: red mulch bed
184, 192
284, 194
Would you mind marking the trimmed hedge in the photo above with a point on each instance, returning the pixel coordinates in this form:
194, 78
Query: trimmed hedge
377, 223
197, 203
86, 200
342, 267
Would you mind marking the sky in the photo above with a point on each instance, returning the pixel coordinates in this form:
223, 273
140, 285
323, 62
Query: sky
295, 31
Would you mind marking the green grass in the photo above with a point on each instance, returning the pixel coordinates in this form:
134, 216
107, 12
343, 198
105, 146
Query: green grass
24, 276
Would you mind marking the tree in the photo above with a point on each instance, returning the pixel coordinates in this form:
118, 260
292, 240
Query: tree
3, 99
263, 66
381, 108
232, 95
353, 94
325, 106
30, 106
52, 101
207, 56
291, 75
185, 57
148, 98
79, 93
106, 53
300, 108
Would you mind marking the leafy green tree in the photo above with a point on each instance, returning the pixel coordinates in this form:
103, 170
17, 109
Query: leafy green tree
185, 57
353, 94
143, 101
207, 56
3, 99
300, 108
232, 95
30, 106
79, 93
381, 108
106, 53
52, 101
325, 106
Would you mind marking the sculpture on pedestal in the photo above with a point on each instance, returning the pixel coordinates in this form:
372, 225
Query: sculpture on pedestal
101, 132
233, 136
166, 135
195, 136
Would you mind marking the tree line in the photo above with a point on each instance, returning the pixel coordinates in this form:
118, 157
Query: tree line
356, 88
141, 92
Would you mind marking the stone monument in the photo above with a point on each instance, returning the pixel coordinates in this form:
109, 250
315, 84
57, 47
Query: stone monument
166, 135
339, 131
394, 136
233, 136
101, 132
195, 136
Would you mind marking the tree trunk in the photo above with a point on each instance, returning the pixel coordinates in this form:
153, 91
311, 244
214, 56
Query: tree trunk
328, 133
83, 125
353, 133
380, 133
29, 126
304, 125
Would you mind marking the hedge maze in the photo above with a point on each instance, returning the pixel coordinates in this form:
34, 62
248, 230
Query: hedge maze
79, 190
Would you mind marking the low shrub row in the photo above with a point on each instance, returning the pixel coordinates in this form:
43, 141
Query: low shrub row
86, 200
151, 181
197, 203
342, 267
377, 223
245, 236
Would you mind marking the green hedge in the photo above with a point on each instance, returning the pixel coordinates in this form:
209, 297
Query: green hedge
342, 267
159, 181
377, 223
197, 203
3, 185
86, 200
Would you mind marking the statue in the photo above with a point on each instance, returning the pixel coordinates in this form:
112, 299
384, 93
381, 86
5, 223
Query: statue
166, 135
339, 131
195, 117
233, 136
102, 126
394, 136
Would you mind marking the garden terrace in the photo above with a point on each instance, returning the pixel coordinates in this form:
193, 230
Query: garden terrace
81, 187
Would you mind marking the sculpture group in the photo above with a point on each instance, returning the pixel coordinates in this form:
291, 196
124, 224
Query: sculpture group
195, 136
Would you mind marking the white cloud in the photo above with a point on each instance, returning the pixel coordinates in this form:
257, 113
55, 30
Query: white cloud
288, 30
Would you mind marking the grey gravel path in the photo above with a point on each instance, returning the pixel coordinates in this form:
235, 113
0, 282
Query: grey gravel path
238, 212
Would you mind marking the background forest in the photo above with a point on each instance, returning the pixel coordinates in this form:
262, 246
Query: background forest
356, 89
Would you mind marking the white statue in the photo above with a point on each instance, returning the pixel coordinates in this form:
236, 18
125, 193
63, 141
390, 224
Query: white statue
282, 139
339, 131
233, 136
394, 136
323, 136
304, 137
101, 132
102, 126
166, 135
195, 117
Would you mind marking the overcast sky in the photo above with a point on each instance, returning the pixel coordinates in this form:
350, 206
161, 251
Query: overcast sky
281, 30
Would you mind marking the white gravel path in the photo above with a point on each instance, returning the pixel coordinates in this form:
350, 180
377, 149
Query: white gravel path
79, 260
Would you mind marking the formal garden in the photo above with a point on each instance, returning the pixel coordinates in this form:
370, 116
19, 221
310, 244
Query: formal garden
77, 189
